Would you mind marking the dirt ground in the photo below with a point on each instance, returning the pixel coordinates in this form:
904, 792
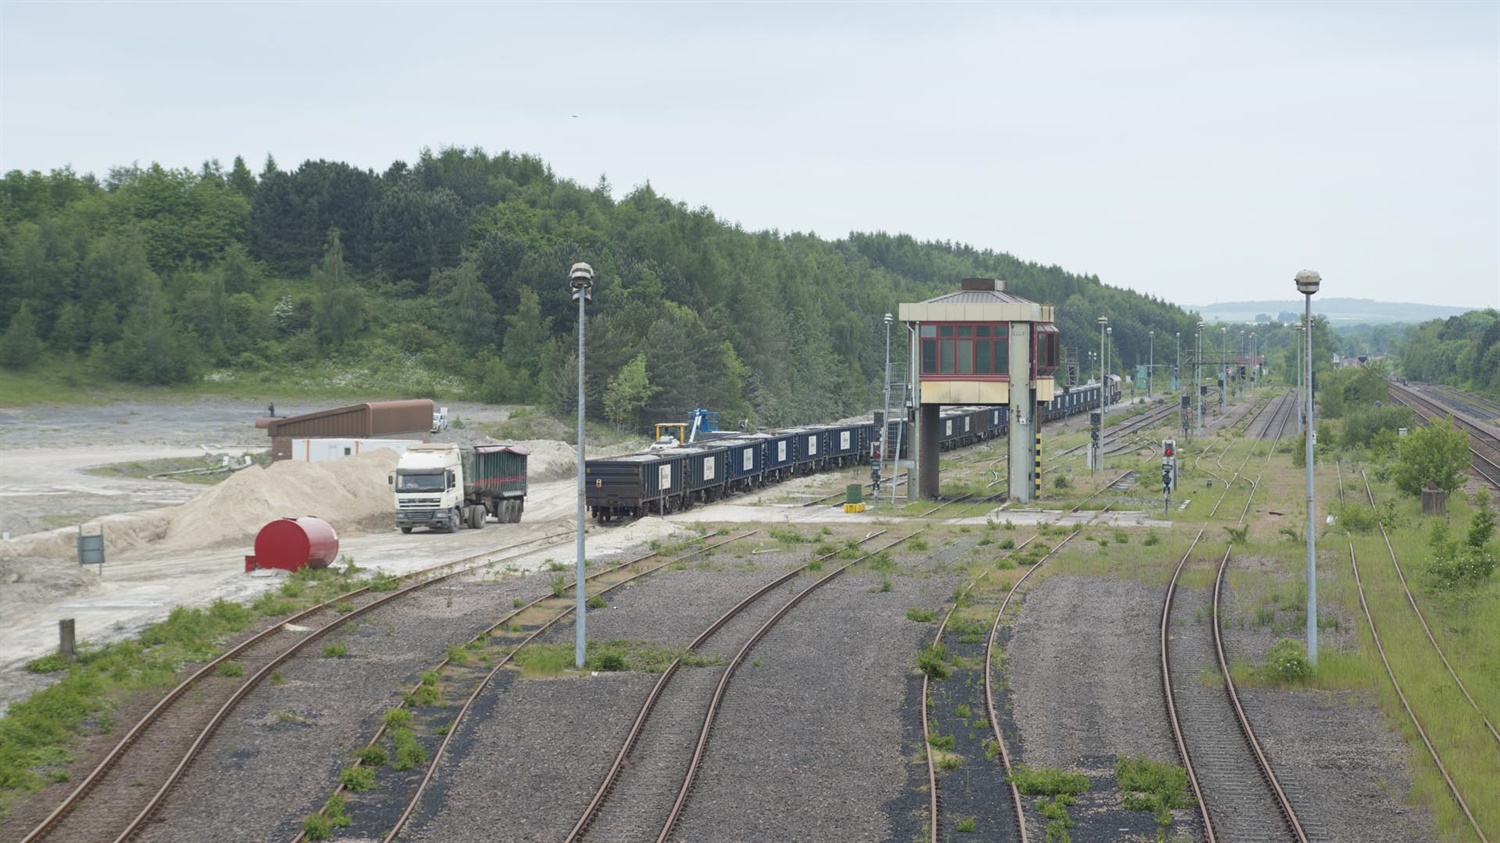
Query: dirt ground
170, 543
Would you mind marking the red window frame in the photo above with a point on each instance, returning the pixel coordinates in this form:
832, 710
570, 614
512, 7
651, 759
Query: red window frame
969, 351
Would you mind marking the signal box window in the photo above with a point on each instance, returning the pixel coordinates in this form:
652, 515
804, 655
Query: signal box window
965, 351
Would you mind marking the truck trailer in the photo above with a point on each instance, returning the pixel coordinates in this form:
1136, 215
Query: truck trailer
443, 486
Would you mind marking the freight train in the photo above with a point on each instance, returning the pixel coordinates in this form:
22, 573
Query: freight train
658, 482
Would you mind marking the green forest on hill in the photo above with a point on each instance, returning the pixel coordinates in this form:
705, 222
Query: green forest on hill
448, 278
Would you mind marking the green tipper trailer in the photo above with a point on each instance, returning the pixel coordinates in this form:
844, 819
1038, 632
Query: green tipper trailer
495, 476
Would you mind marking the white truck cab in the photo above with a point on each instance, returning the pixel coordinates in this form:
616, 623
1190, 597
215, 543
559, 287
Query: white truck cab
429, 487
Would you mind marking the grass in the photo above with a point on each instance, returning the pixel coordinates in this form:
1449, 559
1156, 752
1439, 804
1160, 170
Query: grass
409, 754
617, 654
1466, 624
1147, 785
36, 735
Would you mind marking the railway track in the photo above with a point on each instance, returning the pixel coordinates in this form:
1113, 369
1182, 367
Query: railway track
1215, 739
1484, 445
648, 786
960, 696
1390, 673
123, 792
496, 645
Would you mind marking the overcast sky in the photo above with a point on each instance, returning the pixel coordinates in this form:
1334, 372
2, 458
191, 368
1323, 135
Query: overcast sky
1196, 152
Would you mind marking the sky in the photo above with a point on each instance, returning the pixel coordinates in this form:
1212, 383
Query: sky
1195, 152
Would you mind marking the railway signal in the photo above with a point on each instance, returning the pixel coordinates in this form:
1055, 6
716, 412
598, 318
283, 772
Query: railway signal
1169, 463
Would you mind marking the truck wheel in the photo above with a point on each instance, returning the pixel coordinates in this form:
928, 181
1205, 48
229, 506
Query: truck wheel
454, 522
406, 531
520, 508
476, 517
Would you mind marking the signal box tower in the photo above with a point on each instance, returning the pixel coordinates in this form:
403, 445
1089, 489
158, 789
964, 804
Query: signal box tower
981, 346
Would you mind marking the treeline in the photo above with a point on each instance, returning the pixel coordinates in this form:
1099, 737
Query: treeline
457, 265
1461, 351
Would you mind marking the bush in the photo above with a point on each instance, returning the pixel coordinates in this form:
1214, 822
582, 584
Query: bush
933, 661
357, 778
1286, 662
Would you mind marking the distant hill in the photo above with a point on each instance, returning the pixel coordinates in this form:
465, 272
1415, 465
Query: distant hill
1336, 310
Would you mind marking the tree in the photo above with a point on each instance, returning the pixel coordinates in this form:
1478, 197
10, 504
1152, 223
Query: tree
20, 347
339, 309
151, 350
1437, 454
628, 392
471, 311
526, 332
240, 178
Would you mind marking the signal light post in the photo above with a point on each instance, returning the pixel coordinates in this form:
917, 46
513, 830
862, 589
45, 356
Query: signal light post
1168, 473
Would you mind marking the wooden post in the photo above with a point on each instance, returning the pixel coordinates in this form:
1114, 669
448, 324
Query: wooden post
66, 646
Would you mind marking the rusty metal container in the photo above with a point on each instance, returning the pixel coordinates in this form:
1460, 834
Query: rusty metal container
288, 544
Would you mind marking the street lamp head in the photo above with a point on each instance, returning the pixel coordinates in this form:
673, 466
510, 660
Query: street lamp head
889, 319
1307, 282
1200, 327
1103, 320
581, 276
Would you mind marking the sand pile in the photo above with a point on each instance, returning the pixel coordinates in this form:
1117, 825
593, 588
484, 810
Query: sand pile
351, 494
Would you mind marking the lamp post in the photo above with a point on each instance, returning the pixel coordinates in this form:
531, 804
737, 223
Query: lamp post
1177, 370
1307, 284
1299, 378
1109, 352
1223, 375
1251, 361
1150, 361
1103, 390
581, 279
885, 433
1198, 377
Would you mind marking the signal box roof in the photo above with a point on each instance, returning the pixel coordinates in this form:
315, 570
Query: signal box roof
977, 300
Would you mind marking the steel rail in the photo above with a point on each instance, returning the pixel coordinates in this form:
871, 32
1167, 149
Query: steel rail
701, 749
1269, 775
1400, 695
1166, 689
154, 715
432, 764
611, 777
989, 688
926, 733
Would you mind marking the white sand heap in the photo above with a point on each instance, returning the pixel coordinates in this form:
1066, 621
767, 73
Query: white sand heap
352, 494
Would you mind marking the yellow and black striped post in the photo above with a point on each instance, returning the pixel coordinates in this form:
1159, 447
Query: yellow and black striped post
1037, 474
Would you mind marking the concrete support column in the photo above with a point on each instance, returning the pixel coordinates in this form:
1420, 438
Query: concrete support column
928, 427
1022, 409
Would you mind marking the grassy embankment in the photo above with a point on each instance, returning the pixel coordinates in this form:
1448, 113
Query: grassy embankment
37, 735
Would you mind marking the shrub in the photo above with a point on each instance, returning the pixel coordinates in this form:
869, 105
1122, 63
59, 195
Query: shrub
1287, 662
397, 717
372, 756
333, 651
315, 827
231, 669
920, 615
933, 661
357, 778
409, 753
596, 601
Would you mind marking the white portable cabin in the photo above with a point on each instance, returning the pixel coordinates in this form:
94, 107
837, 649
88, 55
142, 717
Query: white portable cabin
317, 450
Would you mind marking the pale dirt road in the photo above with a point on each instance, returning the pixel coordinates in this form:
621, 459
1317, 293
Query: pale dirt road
44, 452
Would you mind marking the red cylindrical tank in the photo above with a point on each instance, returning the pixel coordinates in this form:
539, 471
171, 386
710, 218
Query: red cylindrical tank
290, 543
